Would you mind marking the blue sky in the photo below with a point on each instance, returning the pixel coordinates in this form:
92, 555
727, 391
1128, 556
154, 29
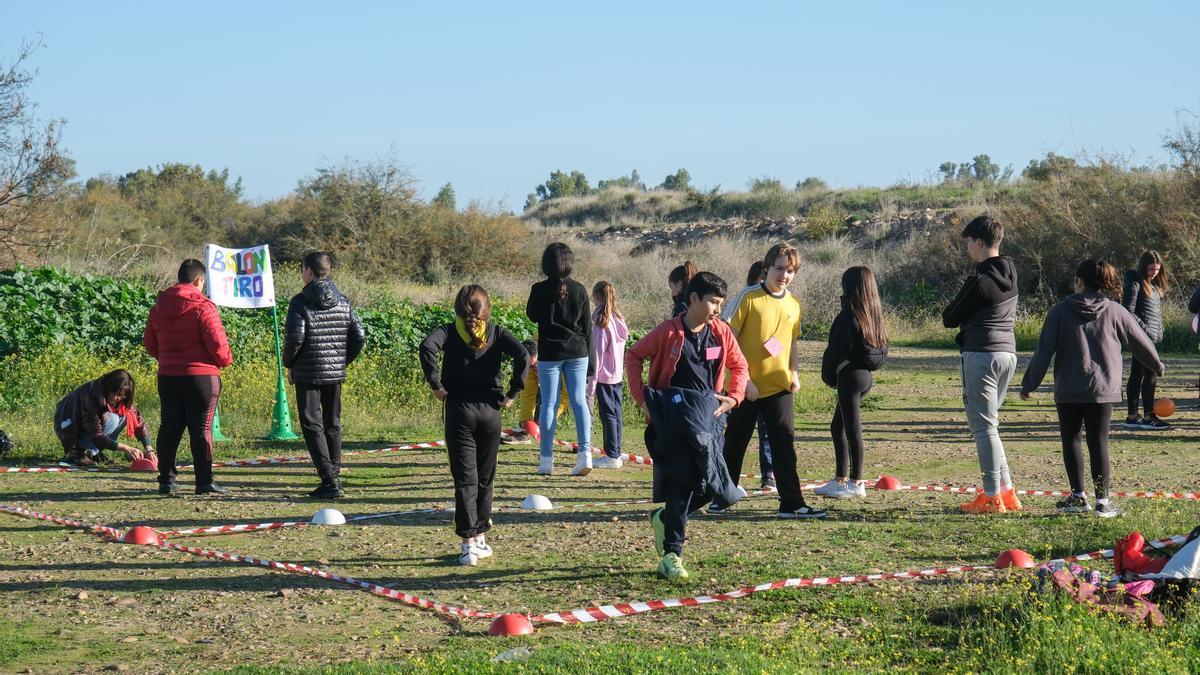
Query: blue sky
493, 96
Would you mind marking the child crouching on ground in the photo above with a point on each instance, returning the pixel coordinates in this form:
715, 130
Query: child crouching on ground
684, 403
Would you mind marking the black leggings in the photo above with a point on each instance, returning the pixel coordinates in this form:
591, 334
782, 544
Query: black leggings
1095, 418
1141, 380
188, 403
472, 441
846, 426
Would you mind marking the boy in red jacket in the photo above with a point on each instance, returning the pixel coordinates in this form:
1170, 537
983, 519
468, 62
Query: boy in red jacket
690, 351
184, 333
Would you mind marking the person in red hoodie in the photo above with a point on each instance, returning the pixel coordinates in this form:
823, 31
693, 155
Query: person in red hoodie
184, 333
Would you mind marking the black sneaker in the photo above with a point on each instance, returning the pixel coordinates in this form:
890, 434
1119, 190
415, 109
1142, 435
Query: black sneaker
210, 488
716, 509
805, 512
326, 491
1152, 423
1132, 422
521, 438
168, 487
768, 482
1107, 509
1073, 504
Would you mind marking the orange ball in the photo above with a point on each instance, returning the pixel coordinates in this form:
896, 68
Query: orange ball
1164, 407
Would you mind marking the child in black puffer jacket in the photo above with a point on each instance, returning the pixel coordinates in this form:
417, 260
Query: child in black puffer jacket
857, 347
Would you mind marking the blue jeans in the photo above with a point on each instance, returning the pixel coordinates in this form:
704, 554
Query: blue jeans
574, 371
608, 407
114, 424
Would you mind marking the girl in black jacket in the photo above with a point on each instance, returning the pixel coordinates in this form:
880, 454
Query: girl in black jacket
560, 307
1142, 295
857, 346
469, 384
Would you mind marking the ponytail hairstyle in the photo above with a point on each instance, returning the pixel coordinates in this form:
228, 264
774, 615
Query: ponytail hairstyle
558, 262
119, 382
683, 274
606, 304
1160, 281
756, 274
1100, 277
473, 306
862, 297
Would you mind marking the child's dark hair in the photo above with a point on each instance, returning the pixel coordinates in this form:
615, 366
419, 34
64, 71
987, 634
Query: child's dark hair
705, 283
1160, 280
531, 347
1099, 276
558, 262
682, 274
319, 263
190, 270
986, 229
862, 297
119, 382
755, 275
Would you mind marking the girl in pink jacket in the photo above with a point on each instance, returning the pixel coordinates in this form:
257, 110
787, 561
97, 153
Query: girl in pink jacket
609, 334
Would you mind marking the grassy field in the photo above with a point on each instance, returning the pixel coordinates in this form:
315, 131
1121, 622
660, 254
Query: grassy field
75, 603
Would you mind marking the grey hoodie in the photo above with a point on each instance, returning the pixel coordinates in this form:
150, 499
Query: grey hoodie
1085, 333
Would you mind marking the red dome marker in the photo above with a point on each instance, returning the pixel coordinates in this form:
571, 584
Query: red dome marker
530, 427
510, 624
143, 464
141, 535
1014, 558
887, 483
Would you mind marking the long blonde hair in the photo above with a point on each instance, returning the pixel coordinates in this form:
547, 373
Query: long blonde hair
606, 303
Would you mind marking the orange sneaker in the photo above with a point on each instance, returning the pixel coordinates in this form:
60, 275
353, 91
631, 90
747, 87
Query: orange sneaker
984, 504
1009, 497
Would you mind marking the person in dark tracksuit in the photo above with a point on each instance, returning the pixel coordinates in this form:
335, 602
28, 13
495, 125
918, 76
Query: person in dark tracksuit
323, 337
1142, 294
185, 335
1084, 335
468, 383
857, 346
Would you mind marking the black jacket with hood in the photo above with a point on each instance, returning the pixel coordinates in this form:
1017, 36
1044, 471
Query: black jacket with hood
985, 308
1084, 334
848, 345
323, 334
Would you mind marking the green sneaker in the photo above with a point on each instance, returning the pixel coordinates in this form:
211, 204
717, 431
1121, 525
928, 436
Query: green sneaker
671, 568
660, 531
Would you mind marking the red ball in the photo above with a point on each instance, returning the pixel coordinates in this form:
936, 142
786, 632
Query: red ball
1164, 407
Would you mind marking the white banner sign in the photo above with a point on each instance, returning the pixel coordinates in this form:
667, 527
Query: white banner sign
240, 277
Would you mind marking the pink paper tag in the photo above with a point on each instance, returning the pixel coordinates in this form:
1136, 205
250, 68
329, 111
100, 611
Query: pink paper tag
712, 353
773, 347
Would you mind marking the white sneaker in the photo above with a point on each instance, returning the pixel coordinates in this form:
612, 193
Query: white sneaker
607, 462
829, 489
481, 548
584, 466
468, 556
546, 465
742, 491
849, 490
860, 489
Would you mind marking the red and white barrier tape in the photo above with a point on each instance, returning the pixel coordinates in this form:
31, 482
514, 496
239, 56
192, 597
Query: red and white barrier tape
595, 614
953, 489
238, 528
376, 589
41, 469
59, 520
235, 529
